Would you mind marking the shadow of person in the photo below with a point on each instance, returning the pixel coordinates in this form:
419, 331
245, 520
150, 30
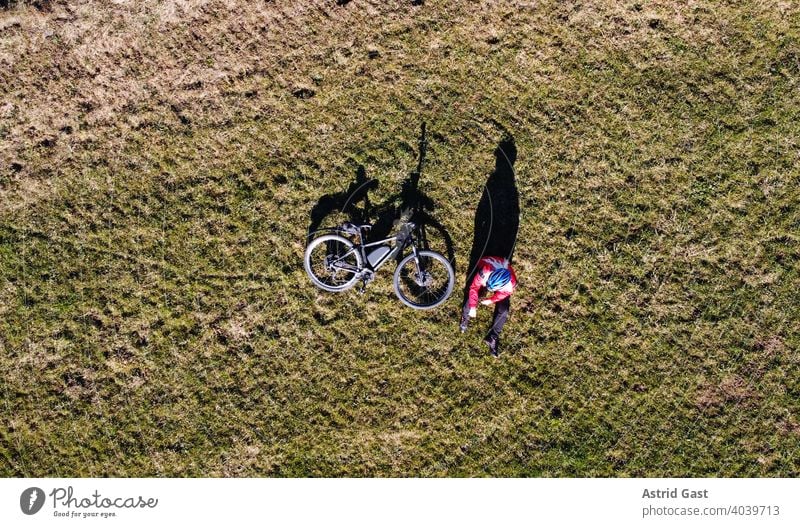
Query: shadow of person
345, 202
497, 215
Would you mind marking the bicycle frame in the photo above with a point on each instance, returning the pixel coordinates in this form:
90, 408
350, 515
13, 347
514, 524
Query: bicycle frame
386, 257
393, 252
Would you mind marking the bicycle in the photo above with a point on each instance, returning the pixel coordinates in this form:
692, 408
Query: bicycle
422, 280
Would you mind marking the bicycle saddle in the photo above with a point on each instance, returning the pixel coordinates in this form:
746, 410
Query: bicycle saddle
351, 228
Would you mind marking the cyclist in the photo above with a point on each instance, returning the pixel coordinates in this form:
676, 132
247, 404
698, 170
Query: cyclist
494, 283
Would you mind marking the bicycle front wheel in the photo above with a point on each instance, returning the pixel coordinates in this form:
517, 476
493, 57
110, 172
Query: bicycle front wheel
424, 282
332, 263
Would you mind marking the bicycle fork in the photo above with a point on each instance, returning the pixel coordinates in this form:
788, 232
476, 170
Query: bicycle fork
419, 278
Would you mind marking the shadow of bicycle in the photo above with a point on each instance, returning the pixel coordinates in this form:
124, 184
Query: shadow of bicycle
354, 205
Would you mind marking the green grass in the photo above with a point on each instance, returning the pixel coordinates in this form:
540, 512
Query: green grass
156, 320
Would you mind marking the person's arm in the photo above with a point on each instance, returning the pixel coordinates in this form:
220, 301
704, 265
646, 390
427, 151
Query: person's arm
474, 289
498, 296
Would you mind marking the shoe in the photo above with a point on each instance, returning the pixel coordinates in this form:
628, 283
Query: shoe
464, 324
491, 341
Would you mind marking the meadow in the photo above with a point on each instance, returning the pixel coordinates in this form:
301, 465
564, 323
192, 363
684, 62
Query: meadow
160, 162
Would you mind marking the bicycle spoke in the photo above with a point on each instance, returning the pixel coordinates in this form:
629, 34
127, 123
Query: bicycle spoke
426, 285
333, 263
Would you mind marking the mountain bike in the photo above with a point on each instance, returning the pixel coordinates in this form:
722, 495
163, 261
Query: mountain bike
422, 280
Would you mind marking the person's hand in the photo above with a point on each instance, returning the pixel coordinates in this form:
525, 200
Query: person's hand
473, 312
486, 302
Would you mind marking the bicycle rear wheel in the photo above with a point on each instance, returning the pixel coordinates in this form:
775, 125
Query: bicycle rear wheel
332, 263
425, 282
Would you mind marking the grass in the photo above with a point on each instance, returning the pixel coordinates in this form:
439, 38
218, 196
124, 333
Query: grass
159, 162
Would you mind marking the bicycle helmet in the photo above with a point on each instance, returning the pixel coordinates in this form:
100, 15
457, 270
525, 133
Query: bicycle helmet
498, 279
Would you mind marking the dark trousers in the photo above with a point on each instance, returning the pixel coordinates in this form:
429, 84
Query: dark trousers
500, 316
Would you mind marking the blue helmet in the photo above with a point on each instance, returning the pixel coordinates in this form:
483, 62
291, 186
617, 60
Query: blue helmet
498, 279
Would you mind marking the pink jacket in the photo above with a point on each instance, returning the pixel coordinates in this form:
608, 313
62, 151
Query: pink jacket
486, 265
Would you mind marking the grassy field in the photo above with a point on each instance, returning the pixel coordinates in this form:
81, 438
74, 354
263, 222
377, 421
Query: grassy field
160, 160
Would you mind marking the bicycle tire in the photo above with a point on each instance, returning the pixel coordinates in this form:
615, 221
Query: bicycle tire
318, 280
447, 289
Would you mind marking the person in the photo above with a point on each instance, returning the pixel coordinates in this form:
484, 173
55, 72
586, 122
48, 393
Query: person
494, 282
